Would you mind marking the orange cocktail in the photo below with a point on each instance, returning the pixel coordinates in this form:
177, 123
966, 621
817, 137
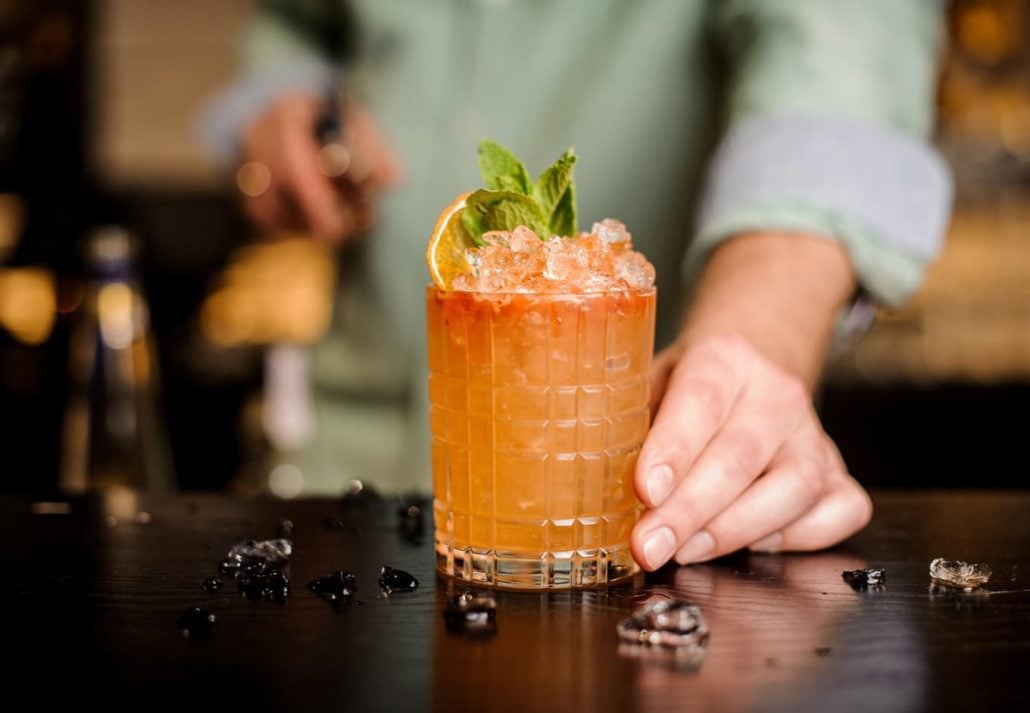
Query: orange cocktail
540, 343
539, 405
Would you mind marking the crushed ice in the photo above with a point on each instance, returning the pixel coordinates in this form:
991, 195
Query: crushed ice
519, 261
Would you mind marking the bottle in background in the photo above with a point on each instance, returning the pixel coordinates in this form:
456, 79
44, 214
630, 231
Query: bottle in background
113, 432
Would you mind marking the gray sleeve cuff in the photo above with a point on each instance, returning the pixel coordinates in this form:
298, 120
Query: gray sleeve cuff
223, 119
884, 194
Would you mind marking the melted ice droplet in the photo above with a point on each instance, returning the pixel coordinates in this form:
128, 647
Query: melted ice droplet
954, 573
396, 580
335, 586
196, 624
228, 566
473, 614
261, 580
212, 584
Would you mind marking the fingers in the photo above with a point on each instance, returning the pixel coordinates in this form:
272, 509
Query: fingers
377, 164
804, 502
316, 197
360, 203
793, 484
701, 392
735, 456
265, 210
844, 510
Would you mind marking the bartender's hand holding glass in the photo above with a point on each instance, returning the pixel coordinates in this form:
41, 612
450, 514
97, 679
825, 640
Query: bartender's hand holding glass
736, 456
285, 178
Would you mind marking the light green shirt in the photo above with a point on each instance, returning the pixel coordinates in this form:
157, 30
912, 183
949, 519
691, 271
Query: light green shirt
820, 107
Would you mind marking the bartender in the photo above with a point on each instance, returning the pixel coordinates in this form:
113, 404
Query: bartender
769, 157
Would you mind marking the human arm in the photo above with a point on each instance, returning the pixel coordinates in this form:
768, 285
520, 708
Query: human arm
745, 459
819, 187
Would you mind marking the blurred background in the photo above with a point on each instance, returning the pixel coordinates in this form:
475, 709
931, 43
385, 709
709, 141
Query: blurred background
98, 112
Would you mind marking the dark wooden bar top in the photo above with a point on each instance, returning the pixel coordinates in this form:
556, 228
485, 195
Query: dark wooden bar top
92, 588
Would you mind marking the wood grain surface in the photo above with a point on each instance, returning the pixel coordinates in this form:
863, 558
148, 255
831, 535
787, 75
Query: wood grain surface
92, 597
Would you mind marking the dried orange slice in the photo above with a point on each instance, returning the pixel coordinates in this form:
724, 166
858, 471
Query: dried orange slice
445, 254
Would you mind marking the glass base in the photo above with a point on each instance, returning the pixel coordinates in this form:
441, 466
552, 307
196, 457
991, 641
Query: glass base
578, 569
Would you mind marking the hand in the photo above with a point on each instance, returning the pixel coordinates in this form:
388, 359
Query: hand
736, 457
298, 194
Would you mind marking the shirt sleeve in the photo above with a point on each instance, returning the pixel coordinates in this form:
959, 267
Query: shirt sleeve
828, 106
277, 56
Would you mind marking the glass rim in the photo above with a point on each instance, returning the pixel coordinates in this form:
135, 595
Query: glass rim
433, 287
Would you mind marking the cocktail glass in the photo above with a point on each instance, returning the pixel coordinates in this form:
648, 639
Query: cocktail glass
538, 409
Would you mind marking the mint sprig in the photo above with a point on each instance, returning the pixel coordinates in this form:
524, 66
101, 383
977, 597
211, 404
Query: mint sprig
501, 169
547, 206
556, 194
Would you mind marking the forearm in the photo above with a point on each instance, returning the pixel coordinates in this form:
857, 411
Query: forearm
780, 291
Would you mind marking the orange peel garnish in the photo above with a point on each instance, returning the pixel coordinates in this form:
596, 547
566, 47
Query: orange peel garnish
445, 254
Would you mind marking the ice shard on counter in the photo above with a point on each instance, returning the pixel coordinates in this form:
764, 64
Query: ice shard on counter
258, 567
271, 551
671, 627
865, 578
953, 573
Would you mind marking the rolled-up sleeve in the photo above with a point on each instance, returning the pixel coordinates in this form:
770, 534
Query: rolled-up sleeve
275, 59
829, 104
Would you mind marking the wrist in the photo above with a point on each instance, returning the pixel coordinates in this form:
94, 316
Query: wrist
779, 291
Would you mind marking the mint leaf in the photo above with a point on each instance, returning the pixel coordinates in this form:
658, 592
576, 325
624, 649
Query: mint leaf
472, 222
501, 169
502, 210
508, 183
555, 193
546, 206
562, 220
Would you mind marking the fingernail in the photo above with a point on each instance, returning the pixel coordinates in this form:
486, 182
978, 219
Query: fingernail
769, 543
658, 482
699, 545
659, 546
